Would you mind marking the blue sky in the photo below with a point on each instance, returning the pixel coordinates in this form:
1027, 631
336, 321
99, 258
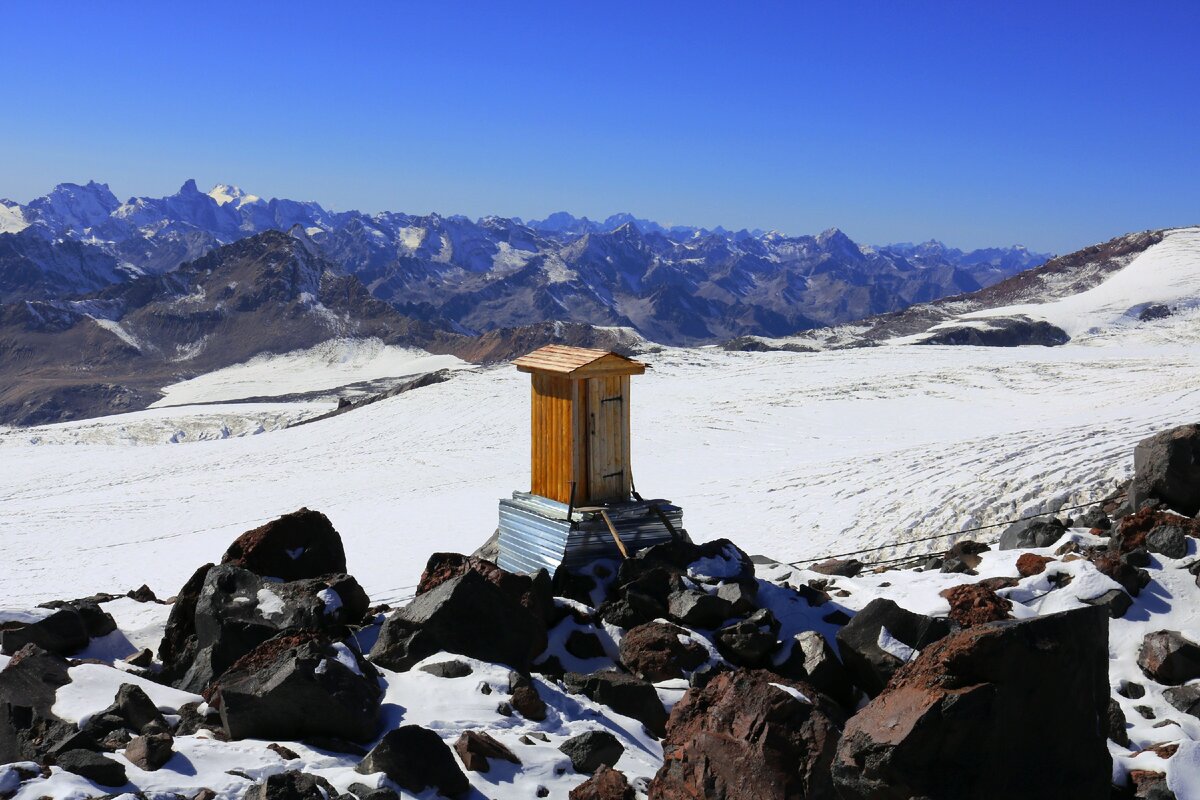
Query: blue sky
1051, 124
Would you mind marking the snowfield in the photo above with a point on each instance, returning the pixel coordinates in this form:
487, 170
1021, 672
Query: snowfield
793, 455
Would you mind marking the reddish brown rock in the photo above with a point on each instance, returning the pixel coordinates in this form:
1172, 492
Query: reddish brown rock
1032, 564
654, 652
605, 784
742, 737
971, 604
476, 747
1132, 532
956, 721
1169, 657
299, 545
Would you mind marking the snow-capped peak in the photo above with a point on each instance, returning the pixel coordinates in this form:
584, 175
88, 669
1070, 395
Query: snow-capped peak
225, 193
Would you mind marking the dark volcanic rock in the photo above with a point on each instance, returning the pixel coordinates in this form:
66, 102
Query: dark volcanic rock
534, 593
622, 693
584, 644
606, 783
749, 643
742, 737
698, 609
448, 669
1037, 532
476, 747
416, 758
93, 766
293, 785
869, 664
177, 650
742, 597
237, 610
467, 615
1184, 698
1001, 332
812, 660
654, 652
63, 632
591, 750
1166, 467
1168, 657
299, 685
28, 687
1167, 540
955, 722
1117, 601
302, 544
846, 569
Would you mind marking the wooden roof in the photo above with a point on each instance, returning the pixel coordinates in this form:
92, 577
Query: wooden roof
577, 362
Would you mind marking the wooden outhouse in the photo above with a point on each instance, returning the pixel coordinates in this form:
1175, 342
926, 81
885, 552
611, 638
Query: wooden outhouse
580, 424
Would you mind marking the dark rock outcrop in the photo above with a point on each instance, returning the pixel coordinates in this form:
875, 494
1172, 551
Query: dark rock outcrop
29, 685
292, 785
63, 632
1166, 467
1035, 532
743, 737
466, 614
591, 750
1001, 332
1169, 657
93, 766
956, 721
416, 758
150, 752
534, 593
302, 544
881, 620
749, 643
299, 685
236, 610
813, 661
698, 609
624, 694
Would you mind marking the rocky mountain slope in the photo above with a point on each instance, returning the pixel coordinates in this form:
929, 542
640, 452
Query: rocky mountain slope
679, 285
1057, 660
1136, 278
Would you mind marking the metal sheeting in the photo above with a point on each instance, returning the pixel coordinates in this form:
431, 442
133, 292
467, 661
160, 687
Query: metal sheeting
535, 533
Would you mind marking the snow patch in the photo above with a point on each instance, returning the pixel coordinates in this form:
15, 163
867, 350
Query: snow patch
893, 646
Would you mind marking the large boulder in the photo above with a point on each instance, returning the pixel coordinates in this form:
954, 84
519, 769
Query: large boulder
93, 766
749, 735
302, 544
177, 649
236, 610
63, 632
1169, 657
299, 685
749, 642
881, 638
467, 615
416, 758
1002, 710
658, 651
624, 694
1166, 467
592, 750
1035, 532
29, 685
534, 593
698, 609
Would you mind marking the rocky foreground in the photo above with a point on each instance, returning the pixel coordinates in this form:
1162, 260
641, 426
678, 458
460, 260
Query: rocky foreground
1061, 664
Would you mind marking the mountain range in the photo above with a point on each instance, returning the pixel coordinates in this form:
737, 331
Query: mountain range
676, 285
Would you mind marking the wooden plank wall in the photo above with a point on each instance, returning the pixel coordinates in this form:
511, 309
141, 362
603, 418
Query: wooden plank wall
552, 435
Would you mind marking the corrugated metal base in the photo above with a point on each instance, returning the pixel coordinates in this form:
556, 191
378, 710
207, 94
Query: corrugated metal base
535, 533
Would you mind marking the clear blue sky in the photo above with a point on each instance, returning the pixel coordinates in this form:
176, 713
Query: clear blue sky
1053, 124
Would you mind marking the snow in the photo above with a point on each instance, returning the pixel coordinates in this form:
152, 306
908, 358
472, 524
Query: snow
795, 455
893, 646
331, 600
327, 366
269, 603
796, 693
225, 194
116, 329
93, 688
12, 218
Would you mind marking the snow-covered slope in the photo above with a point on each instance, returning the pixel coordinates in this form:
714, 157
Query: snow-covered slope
1166, 274
795, 455
327, 366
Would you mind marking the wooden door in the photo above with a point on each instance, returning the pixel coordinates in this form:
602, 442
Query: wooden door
608, 439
